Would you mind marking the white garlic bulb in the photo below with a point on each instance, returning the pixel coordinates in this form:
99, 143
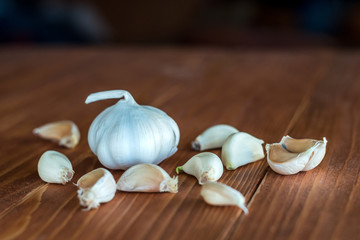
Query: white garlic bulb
204, 166
95, 187
147, 178
291, 156
54, 167
240, 149
127, 134
219, 194
213, 137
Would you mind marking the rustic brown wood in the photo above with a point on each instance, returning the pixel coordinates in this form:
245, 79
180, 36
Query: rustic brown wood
303, 93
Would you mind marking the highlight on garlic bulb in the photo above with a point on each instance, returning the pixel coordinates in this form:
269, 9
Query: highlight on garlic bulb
204, 166
219, 194
240, 149
147, 178
54, 167
95, 187
127, 133
65, 133
291, 156
213, 137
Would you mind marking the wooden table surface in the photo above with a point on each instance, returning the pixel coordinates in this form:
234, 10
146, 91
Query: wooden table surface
305, 93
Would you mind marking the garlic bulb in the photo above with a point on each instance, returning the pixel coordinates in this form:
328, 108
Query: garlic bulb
219, 194
147, 178
240, 149
127, 134
204, 166
95, 187
54, 167
291, 156
213, 137
65, 133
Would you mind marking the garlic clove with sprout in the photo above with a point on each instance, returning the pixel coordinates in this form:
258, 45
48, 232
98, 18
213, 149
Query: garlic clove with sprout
65, 133
95, 187
204, 166
147, 178
291, 156
127, 133
240, 149
219, 194
54, 167
213, 137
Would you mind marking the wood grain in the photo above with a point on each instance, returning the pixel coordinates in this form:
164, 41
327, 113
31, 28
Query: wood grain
270, 93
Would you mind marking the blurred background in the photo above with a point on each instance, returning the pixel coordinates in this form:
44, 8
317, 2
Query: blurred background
180, 22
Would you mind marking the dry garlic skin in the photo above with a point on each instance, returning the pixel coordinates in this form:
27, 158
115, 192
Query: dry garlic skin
54, 167
291, 156
95, 187
127, 134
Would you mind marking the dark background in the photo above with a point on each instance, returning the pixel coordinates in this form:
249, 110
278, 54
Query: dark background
180, 22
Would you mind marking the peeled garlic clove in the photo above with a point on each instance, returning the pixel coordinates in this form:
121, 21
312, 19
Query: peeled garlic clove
240, 149
204, 166
147, 178
127, 133
213, 137
54, 167
291, 156
95, 187
215, 193
65, 133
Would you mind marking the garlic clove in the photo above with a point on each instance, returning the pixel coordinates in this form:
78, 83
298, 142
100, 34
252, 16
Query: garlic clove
213, 137
95, 187
291, 156
65, 133
219, 194
127, 133
204, 166
240, 149
54, 167
147, 178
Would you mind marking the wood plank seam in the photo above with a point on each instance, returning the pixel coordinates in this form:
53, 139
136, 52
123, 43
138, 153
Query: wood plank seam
299, 110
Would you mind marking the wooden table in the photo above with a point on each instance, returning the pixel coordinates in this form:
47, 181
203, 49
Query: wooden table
305, 93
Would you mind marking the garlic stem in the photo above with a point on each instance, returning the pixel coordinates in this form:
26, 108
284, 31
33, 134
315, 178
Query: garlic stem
112, 94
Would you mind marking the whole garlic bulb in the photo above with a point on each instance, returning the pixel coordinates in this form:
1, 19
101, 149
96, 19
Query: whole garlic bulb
127, 133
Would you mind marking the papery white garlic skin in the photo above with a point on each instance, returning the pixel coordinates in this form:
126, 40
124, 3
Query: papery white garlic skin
219, 194
213, 137
204, 166
65, 133
147, 178
95, 187
54, 167
291, 156
127, 134
240, 149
